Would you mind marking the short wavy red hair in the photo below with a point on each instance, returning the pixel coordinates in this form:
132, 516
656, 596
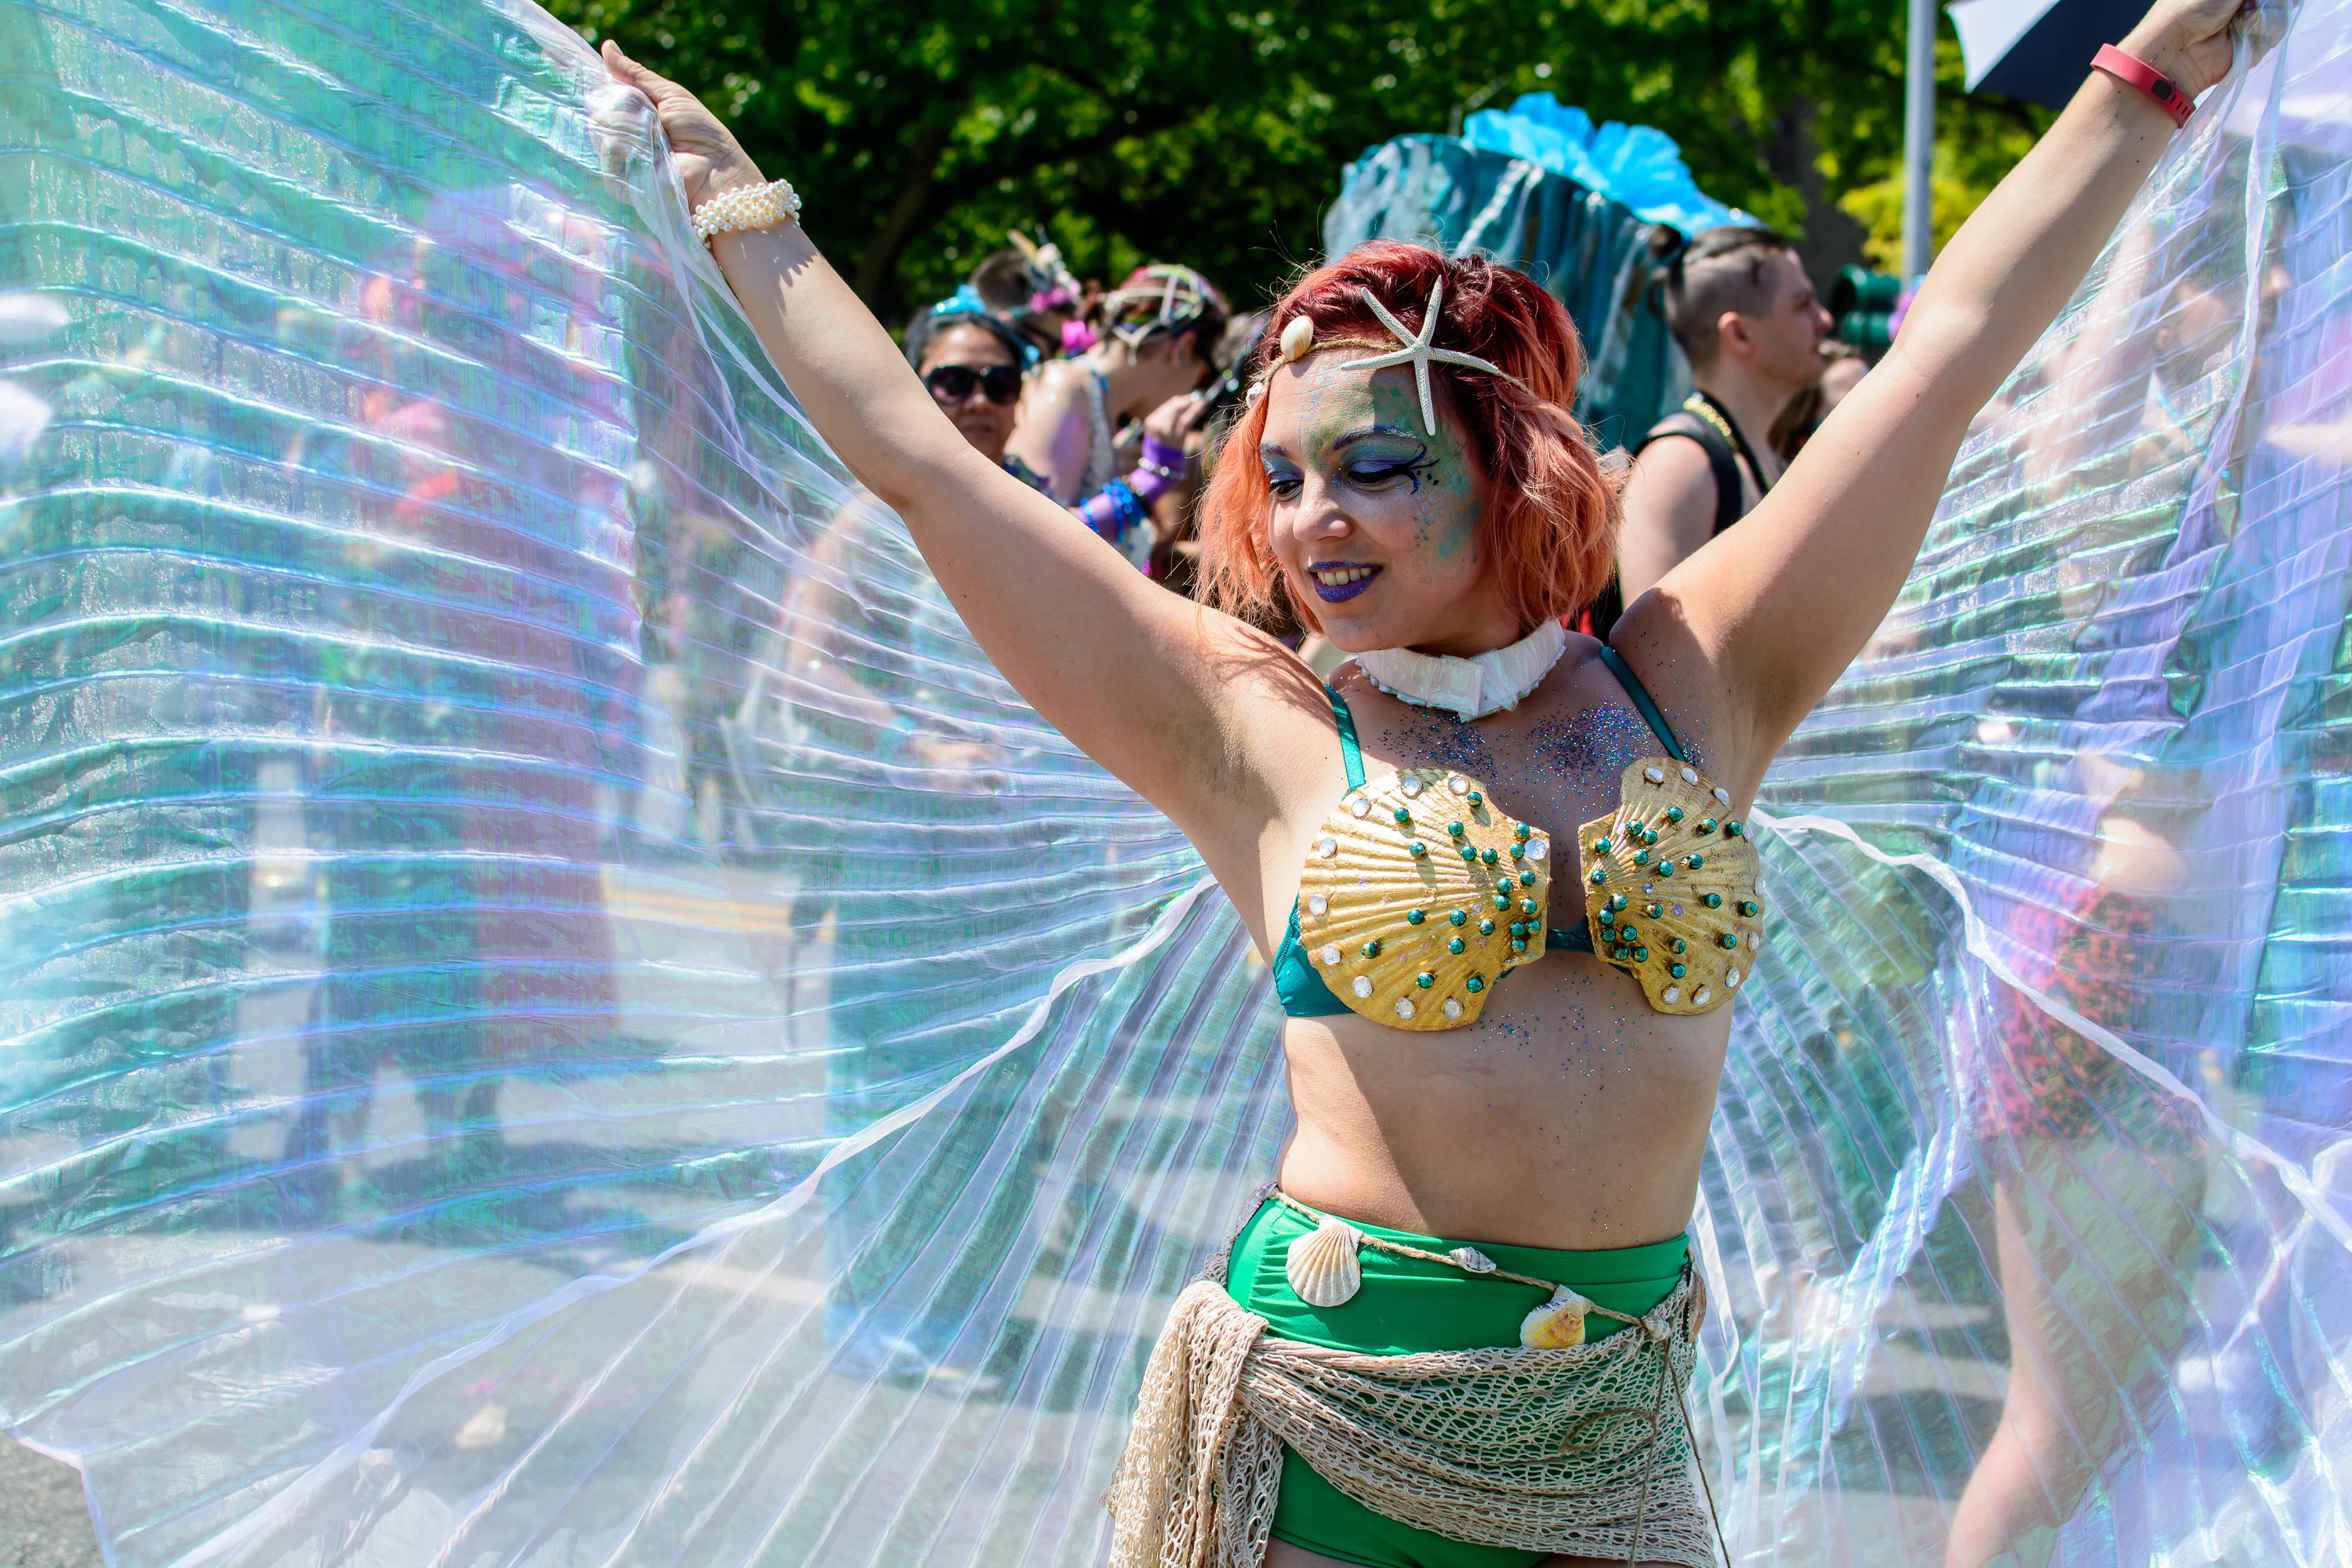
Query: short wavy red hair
1551, 523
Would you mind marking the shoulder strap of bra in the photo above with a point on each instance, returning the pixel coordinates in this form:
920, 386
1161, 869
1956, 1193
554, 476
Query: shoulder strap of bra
1642, 703
1349, 753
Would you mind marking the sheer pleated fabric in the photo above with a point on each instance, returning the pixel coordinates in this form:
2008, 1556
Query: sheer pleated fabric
558, 1012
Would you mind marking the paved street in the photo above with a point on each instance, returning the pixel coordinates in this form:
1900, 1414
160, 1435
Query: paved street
42, 1521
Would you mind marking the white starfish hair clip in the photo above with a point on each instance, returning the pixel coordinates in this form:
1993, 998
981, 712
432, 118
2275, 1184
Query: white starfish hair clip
1418, 352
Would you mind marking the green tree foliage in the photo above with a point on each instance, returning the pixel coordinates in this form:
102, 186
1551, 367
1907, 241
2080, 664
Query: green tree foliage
1190, 129
1979, 140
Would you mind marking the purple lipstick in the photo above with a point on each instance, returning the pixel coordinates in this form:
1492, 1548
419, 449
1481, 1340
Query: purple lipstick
1336, 580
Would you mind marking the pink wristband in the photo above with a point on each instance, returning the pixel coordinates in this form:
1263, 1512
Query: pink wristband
2138, 73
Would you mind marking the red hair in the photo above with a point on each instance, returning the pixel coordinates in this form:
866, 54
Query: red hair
1551, 522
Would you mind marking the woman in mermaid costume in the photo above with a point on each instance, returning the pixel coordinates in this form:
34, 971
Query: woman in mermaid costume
1458, 1330
2024, 1220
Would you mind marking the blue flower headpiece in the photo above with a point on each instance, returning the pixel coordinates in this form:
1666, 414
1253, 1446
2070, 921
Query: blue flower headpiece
966, 301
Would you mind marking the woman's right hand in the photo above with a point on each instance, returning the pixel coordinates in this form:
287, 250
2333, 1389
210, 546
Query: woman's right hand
709, 158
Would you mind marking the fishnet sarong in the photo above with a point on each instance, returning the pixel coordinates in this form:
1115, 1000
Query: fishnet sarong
1585, 1450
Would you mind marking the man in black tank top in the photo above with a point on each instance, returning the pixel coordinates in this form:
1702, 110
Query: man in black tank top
1739, 301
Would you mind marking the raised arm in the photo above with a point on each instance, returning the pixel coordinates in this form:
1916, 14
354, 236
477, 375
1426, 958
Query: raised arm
1777, 606
1135, 676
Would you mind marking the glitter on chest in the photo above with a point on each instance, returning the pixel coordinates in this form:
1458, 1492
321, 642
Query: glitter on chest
1446, 742
1594, 740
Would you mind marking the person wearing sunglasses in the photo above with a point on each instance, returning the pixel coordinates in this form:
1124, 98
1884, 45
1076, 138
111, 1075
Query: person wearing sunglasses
972, 363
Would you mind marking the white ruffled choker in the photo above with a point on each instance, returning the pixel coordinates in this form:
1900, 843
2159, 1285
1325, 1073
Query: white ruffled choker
1468, 688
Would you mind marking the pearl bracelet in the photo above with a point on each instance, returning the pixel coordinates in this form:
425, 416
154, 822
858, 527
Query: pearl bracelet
748, 207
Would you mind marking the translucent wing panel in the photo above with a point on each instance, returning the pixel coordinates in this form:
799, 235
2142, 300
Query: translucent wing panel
547, 997
2037, 1159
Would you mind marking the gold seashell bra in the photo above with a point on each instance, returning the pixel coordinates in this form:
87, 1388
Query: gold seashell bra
1418, 896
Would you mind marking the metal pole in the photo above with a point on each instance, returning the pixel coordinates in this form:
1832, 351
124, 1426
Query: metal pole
1919, 142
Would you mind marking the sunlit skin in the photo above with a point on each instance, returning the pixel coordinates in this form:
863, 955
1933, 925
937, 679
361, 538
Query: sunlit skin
1841, 377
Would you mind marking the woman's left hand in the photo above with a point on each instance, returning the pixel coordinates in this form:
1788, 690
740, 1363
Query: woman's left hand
710, 160
1174, 419
2187, 40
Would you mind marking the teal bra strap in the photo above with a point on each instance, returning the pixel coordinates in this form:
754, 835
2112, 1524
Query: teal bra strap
1642, 703
1349, 753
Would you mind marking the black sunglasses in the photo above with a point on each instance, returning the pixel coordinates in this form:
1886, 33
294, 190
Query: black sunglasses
1000, 384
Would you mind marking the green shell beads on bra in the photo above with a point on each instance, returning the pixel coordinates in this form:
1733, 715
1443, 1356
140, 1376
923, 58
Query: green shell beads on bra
1693, 952
1371, 895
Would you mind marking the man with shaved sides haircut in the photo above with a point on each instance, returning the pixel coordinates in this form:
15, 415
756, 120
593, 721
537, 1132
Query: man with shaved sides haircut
1739, 301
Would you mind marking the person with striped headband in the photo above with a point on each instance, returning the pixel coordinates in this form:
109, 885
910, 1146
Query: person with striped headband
1157, 338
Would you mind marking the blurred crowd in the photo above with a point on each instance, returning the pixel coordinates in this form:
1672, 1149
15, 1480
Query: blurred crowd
1104, 399
1110, 399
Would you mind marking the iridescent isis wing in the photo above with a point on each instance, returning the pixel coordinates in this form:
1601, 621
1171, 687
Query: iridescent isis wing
2031, 1185
555, 1009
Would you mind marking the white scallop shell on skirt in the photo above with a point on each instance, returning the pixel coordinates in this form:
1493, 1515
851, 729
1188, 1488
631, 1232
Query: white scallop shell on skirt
1321, 1264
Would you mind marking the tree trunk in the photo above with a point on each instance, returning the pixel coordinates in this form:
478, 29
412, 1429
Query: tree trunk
879, 260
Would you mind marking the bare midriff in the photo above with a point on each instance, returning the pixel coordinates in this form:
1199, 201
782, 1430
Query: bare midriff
1525, 1129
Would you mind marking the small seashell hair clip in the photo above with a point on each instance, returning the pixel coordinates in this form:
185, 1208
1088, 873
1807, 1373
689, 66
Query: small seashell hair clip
1297, 339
